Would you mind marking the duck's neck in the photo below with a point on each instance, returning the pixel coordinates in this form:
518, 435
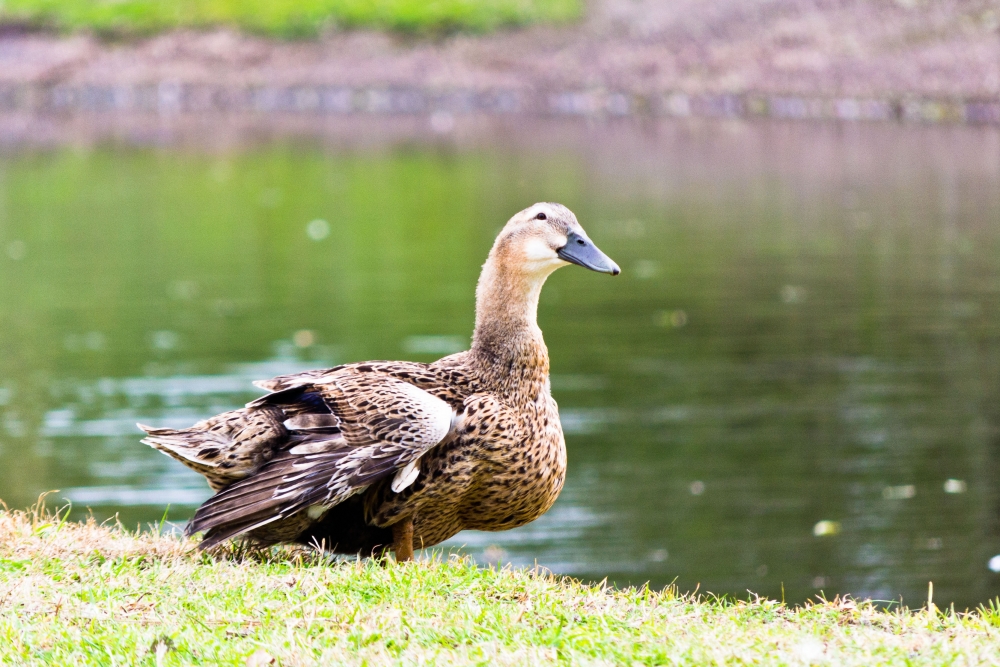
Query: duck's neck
507, 344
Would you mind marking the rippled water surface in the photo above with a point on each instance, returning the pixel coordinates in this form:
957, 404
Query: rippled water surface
793, 386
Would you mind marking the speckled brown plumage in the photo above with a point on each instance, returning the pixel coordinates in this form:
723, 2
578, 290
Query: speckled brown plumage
347, 456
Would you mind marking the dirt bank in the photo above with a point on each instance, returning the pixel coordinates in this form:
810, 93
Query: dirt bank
848, 59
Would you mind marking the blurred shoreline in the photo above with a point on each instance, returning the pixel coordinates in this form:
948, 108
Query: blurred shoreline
783, 59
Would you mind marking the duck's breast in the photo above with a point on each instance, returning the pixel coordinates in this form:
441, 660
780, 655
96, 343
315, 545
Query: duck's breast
523, 471
504, 469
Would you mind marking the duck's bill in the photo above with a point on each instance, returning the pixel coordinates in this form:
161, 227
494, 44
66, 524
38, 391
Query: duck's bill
582, 251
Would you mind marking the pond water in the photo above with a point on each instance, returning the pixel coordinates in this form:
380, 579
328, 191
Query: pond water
793, 388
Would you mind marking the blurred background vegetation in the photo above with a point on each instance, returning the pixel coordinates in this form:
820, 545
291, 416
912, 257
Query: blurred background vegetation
284, 18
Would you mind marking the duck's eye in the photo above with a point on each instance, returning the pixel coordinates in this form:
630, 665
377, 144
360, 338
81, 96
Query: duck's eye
541, 216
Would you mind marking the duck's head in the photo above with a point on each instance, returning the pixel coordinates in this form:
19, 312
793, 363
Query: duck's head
546, 236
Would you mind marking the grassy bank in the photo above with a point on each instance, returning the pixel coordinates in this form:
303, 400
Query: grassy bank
289, 18
86, 594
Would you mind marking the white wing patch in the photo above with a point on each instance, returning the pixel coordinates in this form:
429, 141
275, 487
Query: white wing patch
437, 414
407, 475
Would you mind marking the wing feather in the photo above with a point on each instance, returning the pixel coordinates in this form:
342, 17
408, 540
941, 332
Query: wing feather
370, 426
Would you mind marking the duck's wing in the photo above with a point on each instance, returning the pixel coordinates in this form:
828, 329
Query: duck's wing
355, 429
395, 421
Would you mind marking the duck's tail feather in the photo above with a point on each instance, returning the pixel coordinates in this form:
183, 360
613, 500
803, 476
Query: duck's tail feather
196, 448
226, 447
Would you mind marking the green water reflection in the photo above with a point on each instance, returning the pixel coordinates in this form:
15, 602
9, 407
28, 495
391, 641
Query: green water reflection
805, 339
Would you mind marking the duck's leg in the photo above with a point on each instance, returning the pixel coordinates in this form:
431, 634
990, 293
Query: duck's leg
402, 539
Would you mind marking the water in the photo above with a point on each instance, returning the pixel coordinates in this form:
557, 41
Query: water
792, 387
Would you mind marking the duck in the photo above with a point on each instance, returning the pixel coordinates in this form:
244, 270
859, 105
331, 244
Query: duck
373, 456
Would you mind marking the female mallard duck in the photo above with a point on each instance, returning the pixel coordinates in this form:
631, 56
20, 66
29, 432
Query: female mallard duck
368, 456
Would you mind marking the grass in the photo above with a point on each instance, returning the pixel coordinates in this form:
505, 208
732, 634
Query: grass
286, 18
86, 594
